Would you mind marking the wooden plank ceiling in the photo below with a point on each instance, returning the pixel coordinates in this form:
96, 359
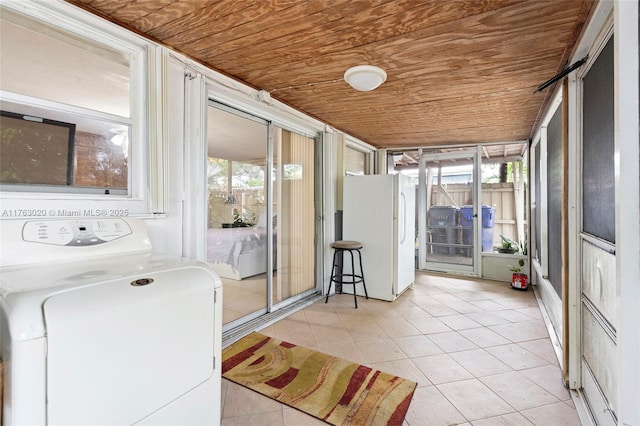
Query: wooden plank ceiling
459, 71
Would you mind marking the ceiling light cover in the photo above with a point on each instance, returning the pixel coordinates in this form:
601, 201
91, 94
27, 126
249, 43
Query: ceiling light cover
365, 77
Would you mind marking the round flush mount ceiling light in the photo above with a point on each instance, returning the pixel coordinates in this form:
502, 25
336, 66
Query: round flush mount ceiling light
365, 77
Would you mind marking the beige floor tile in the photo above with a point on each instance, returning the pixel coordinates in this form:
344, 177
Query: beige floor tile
522, 331
512, 315
430, 325
533, 312
520, 392
344, 350
223, 392
301, 326
365, 331
298, 337
380, 350
480, 363
452, 342
526, 301
350, 315
414, 312
488, 305
430, 408
229, 315
459, 322
464, 307
293, 417
437, 309
441, 368
542, 348
512, 419
487, 318
471, 296
447, 298
484, 337
323, 318
384, 314
559, 414
515, 356
403, 368
548, 377
399, 328
325, 334
413, 337
417, 346
474, 400
271, 418
269, 330
240, 401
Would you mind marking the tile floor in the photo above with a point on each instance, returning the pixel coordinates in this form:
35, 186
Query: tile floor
479, 351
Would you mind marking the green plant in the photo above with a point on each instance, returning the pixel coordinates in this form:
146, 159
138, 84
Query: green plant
517, 269
508, 245
523, 247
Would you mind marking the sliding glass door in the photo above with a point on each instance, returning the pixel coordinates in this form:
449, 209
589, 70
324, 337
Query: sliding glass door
237, 210
293, 220
261, 221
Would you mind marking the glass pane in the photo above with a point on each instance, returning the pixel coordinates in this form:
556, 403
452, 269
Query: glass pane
294, 219
47, 63
43, 148
46, 73
236, 223
450, 224
355, 162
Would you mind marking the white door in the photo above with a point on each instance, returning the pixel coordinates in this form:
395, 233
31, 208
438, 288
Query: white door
405, 233
598, 307
448, 229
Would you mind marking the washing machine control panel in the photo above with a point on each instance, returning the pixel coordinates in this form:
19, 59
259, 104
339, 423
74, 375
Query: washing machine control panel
82, 232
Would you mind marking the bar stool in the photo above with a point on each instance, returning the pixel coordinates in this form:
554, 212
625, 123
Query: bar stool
339, 278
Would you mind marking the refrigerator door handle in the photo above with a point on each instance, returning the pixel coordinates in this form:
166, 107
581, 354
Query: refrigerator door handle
403, 216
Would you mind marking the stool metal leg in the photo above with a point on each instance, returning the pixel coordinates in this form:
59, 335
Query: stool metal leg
333, 269
362, 274
353, 278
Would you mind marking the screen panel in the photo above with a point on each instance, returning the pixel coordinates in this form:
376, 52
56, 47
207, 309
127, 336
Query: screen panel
598, 186
554, 199
537, 213
35, 151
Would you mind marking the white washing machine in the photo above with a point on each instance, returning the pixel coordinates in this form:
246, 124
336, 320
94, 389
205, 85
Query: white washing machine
96, 329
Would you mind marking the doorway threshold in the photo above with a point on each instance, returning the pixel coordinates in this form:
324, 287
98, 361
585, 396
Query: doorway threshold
231, 336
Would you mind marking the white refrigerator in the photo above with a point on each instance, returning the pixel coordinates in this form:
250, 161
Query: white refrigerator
379, 211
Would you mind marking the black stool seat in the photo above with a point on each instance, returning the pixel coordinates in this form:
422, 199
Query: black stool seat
337, 275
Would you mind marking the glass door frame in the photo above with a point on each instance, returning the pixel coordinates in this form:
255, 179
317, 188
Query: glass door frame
271, 306
269, 212
475, 269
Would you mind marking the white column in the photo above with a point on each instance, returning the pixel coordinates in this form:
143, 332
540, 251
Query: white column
627, 183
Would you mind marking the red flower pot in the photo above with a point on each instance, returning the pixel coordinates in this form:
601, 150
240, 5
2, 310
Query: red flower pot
519, 281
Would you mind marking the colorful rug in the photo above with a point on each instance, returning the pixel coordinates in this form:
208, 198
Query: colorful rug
331, 389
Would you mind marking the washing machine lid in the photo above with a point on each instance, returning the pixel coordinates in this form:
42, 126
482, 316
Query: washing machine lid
25, 288
120, 350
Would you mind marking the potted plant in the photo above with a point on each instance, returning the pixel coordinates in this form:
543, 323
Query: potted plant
518, 279
508, 245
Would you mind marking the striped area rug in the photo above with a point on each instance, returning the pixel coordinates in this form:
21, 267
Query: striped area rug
336, 391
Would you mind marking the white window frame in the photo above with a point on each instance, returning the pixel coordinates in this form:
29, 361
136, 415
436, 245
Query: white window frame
147, 180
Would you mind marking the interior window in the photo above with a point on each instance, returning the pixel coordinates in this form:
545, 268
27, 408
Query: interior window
65, 106
355, 162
